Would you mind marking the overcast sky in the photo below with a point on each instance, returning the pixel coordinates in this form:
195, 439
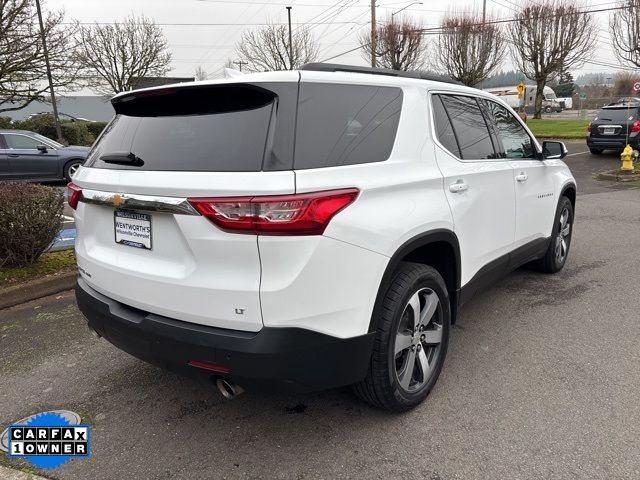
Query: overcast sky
215, 26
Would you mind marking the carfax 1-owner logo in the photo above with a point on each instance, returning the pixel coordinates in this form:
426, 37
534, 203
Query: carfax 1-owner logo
48, 440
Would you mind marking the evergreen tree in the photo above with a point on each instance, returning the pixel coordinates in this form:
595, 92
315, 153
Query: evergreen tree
566, 86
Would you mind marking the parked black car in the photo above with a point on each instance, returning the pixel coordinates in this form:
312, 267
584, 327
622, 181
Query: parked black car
27, 155
614, 126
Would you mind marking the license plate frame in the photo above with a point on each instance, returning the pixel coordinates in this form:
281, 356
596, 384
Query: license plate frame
127, 234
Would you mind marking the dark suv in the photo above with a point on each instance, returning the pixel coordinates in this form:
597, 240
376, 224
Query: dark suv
614, 126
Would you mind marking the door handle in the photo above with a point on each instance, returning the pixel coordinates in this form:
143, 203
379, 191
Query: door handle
458, 187
14, 154
521, 177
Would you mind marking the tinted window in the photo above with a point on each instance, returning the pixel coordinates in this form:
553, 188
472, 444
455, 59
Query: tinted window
469, 126
21, 141
218, 128
345, 124
514, 140
444, 129
617, 114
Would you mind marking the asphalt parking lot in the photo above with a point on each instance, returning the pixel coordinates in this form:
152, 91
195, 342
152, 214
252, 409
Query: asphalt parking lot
542, 380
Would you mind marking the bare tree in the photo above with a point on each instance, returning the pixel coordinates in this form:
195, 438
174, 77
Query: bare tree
548, 37
399, 45
268, 48
118, 55
22, 65
201, 74
469, 49
624, 25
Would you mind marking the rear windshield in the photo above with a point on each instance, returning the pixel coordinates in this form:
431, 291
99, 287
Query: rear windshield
222, 128
345, 124
617, 114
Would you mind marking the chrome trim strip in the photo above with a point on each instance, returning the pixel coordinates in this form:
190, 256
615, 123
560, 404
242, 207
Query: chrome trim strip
149, 203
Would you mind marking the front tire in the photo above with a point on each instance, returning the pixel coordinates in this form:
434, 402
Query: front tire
558, 251
411, 342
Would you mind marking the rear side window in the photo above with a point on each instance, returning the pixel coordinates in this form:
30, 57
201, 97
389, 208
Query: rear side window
444, 129
214, 129
345, 124
469, 126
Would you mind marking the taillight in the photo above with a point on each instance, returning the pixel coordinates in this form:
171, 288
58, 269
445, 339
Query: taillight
299, 214
635, 128
589, 127
74, 193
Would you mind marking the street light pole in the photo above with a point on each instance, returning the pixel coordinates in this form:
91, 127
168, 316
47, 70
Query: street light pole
290, 41
48, 67
373, 33
404, 8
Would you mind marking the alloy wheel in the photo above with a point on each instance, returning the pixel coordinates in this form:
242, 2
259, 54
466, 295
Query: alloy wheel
418, 340
563, 237
73, 168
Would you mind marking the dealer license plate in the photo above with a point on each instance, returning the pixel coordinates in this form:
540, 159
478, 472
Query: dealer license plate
132, 229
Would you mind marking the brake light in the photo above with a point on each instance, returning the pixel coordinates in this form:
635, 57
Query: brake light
589, 127
635, 128
74, 193
299, 214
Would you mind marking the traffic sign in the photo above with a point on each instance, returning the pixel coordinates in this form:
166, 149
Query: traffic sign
583, 96
636, 87
521, 87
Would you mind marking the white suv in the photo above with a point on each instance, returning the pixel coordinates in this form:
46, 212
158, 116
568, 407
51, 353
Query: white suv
310, 229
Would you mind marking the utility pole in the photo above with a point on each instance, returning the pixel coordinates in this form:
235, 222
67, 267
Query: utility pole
240, 63
373, 33
290, 40
48, 66
484, 12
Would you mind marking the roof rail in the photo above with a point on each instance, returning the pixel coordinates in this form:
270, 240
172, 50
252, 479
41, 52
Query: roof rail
335, 67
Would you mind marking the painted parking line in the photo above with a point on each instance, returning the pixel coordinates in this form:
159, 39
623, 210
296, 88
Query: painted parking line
579, 153
66, 238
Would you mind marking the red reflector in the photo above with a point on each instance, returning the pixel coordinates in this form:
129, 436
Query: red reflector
636, 126
589, 127
214, 367
74, 193
299, 214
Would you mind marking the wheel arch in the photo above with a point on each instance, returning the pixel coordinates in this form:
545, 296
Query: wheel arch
439, 249
569, 191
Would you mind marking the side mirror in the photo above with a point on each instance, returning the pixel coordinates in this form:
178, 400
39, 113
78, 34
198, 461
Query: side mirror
42, 148
552, 150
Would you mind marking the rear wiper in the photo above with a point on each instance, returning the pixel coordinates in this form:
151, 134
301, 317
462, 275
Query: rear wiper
122, 158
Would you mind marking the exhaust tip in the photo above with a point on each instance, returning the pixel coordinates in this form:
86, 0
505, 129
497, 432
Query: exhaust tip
228, 389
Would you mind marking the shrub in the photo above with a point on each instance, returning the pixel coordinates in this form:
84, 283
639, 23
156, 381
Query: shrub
76, 133
42, 124
29, 221
5, 122
95, 128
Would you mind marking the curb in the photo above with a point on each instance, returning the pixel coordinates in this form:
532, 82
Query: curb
11, 474
630, 177
42, 287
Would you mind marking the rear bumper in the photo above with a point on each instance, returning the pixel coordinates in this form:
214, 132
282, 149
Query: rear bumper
288, 358
611, 143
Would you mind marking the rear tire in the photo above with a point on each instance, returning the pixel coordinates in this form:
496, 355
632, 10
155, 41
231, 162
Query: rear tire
558, 251
411, 341
71, 167
595, 151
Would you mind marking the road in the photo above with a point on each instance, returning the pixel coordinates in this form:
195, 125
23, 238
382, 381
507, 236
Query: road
541, 381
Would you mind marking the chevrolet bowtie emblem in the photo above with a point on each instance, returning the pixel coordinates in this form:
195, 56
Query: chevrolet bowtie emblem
116, 200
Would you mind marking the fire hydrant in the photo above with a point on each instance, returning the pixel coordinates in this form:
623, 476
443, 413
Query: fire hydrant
627, 159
